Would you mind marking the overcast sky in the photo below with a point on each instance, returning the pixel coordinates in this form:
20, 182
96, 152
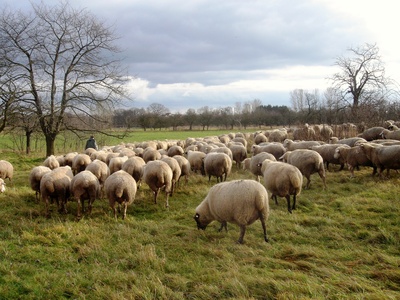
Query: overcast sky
193, 53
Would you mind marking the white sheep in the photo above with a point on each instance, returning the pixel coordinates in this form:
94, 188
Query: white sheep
175, 150
184, 165
116, 163
157, 174
150, 154
383, 157
176, 171
353, 157
195, 159
134, 166
291, 145
120, 188
327, 151
275, 148
6, 170
241, 202
308, 162
255, 163
218, 165
85, 186
56, 185
100, 170
372, 133
388, 134
239, 153
80, 162
35, 176
51, 162
283, 180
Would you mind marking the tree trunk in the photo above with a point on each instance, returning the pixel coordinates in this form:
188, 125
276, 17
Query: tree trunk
50, 139
28, 135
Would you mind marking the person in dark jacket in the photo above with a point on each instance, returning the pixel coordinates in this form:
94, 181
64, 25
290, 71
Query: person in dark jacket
91, 143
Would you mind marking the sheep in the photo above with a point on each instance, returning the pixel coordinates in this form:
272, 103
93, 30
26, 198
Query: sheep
218, 165
307, 161
260, 138
387, 134
306, 133
110, 156
278, 135
276, 149
35, 176
69, 157
255, 163
383, 157
239, 153
283, 180
326, 132
290, 145
241, 140
158, 174
176, 171
327, 151
353, 141
120, 188
150, 154
175, 150
51, 162
195, 159
85, 186
56, 185
116, 163
372, 133
80, 162
2, 186
184, 165
223, 149
241, 202
246, 163
353, 157
6, 170
134, 166
101, 170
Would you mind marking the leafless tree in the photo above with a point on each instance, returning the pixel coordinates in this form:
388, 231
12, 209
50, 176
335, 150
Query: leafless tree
63, 59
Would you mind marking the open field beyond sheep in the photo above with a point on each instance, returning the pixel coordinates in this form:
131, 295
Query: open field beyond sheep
340, 243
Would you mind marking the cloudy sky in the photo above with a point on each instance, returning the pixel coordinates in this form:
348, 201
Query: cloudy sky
194, 53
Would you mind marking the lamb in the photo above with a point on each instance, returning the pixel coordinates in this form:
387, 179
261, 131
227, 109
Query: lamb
116, 163
383, 157
51, 162
372, 133
6, 170
276, 149
184, 165
56, 185
387, 134
218, 165
2, 186
327, 151
307, 161
353, 157
176, 171
35, 176
241, 202
134, 166
255, 163
283, 180
291, 145
195, 159
80, 162
120, 188
158, 174
239, 153
85, 186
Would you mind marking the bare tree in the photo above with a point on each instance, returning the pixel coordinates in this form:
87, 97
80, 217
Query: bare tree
62, 59
361, 77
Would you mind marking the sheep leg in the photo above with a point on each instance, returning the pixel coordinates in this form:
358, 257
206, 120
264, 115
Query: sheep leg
155, 195
78, 215
288, 203
125, 204
308, 182
262, 219
166, 202
275, 198
322, 175
223, 225
294, 201
242, 232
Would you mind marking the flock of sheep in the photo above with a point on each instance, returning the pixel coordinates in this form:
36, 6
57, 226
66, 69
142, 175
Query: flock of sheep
282, 160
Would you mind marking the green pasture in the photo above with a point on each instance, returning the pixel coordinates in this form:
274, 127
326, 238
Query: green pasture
340, 243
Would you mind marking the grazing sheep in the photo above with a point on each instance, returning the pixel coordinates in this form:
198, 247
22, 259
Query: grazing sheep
283, 180
372, 133
223, 149
218, 165
351, 142
100, 170
116, 163
387, 134
276, 149
56, 185
241, 202
80, 162
260, 138
175, 150
353, 157
256, 161
383, 157
278, 135
158, 174
35, 176
134, 166
184, 165
195, 159
305, 133
176, 171
51, 162
85, 186
239, 153
6, 170
120, 188
291, 145
68, 158
110, 156
246, 163
150, 154
2, 186
307, 161
241, 140
327, 151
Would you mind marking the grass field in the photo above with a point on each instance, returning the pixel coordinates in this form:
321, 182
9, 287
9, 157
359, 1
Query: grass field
340, 243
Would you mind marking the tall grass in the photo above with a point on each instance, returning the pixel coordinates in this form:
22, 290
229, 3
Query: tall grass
340, 243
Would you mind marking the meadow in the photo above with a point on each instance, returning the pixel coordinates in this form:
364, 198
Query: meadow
340, 243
